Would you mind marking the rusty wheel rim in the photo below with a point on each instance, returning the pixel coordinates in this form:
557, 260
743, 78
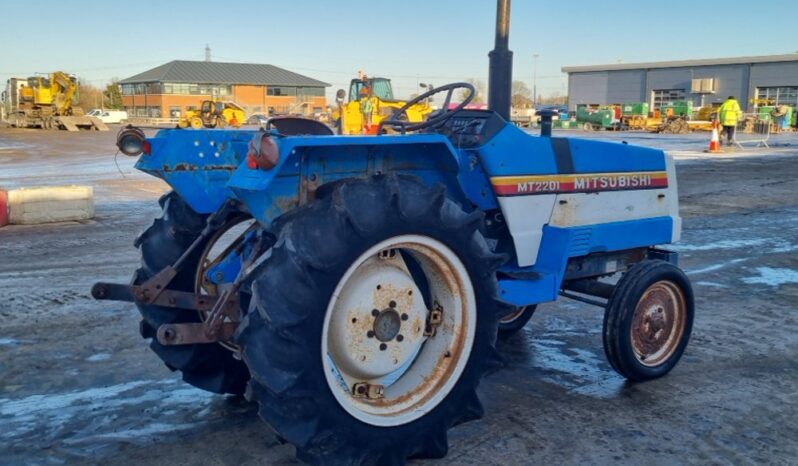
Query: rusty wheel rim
222, 243
509, 318
383, 361
658, 323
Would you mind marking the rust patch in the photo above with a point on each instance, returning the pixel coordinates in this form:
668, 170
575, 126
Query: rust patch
189, 167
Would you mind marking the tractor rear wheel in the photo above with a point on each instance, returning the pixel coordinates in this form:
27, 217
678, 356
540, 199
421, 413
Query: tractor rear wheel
511, 323
648, 320
372, 322
210, 367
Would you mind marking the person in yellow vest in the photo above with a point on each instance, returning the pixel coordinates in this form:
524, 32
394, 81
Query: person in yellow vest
366, 106
728, 113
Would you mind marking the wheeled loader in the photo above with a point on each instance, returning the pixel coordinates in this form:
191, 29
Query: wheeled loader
213, 114
354, 286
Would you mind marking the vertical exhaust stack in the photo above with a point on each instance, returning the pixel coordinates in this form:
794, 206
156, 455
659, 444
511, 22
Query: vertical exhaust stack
500, 79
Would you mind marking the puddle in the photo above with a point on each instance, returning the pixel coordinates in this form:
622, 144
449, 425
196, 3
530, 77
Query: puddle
712, 284
11, 145
99, 357
712, 268
773, 277
725, 244
96, 413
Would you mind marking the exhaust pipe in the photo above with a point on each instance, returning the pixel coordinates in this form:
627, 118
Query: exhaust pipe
500, 74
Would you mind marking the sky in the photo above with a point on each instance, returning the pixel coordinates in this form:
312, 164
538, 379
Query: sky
410, 41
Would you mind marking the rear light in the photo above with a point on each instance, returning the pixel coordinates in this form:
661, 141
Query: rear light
263, 152
132, 142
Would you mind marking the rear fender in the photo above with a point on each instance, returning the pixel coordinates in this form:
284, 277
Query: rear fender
197, 164
306, 163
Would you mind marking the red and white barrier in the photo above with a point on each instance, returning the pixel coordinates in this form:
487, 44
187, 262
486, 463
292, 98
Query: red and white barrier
3, 208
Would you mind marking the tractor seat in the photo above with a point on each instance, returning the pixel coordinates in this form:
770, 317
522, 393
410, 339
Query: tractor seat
296, 126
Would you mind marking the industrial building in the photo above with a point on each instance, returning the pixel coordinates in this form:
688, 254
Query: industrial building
169, 90
754, 81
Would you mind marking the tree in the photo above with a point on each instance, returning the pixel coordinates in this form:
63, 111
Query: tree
479, 85
113, 95
88, 96
521, 95
554, 99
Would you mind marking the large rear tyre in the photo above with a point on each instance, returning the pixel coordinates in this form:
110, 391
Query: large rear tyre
511, 323
648, 320
210, 367
338, 333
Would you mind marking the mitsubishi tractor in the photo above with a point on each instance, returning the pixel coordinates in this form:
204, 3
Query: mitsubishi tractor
355, 286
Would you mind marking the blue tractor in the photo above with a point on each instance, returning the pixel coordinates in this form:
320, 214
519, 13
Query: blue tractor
355, 286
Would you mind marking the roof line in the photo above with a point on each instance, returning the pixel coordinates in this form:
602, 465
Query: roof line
684, 63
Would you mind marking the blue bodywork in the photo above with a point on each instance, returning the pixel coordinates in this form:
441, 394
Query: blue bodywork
207, 167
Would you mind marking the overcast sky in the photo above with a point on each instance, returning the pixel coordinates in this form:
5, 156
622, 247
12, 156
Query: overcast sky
411, 41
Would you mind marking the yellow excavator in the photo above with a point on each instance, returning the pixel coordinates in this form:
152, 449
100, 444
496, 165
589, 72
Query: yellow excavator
371, 100
48, 102
213, 114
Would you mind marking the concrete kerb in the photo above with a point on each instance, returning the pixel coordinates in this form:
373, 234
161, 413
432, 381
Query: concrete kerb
31, 206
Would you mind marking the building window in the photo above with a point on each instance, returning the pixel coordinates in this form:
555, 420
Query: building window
311, 91
660, 97
787, 95
281, 91
174, 112
197, 89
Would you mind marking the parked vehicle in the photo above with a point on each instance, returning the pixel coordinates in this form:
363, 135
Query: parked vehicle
258, 119
47, 102
112, 116
355, 286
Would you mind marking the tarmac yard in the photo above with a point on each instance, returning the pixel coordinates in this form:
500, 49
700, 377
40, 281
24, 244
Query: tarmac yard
78, 385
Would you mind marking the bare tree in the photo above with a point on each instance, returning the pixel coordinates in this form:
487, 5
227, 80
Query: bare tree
479, 85
88, 96
554, 99
521, 95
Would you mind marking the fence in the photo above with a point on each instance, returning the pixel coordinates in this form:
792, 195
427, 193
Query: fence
154, 122
752, 130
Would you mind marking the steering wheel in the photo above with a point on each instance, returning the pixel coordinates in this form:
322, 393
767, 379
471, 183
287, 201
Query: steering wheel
443, 114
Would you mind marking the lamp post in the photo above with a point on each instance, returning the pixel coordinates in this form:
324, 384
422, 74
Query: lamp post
535, 82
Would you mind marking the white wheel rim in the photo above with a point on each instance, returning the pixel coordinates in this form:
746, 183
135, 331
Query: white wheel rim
361, 348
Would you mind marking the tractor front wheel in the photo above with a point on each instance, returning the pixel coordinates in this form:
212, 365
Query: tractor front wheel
196, 122
372, 322
648, 320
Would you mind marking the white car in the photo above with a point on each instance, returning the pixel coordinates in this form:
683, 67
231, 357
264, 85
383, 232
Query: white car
108, 116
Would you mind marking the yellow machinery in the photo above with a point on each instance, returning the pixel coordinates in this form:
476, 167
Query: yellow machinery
370, 101
47, 102
214, 114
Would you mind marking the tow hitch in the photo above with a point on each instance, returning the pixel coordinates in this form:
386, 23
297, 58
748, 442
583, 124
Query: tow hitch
222, 312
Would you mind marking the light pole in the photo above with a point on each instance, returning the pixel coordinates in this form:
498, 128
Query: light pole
535, 82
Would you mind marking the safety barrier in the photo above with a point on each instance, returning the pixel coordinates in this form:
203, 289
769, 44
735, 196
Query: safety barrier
751, 130
30, 206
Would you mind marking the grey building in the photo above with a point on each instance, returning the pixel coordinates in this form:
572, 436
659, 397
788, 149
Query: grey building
771, 78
